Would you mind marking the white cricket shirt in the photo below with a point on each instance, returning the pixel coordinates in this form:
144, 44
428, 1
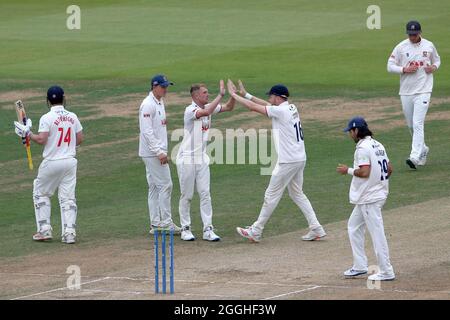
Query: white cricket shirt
421, 54
153, 127
287, 132
370, 152
62, 127
196, 131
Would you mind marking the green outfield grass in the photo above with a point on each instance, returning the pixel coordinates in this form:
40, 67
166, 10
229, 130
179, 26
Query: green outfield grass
319, 49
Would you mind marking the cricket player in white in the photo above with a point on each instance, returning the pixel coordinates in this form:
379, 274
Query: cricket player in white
288, 172
153, 149
60, 132
415, 59
192, 160
368, 192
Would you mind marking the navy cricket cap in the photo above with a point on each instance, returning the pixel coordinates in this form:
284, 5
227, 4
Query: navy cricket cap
356, 122
413, 27
161, 80
279, 90
55, 94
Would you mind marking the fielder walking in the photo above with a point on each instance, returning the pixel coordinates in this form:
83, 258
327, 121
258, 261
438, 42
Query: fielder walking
153, 149
60, 132
368, 192
192, 160
288, 172
415, 59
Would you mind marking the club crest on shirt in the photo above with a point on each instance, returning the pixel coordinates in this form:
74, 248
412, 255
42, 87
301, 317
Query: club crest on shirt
425, 54
407, 54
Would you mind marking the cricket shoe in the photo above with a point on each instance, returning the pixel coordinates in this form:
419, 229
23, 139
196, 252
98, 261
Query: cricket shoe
69, 238
381, 277
187, 235
412, 163
249, 233
314, 234
209, 234
176, 229
423, 157
351, 273
43, 235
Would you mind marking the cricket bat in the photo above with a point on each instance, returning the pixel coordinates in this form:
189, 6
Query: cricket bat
22, 118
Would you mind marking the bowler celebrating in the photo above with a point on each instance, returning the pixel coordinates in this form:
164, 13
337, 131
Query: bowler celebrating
415, 59
288, 172
192, 160
368, 192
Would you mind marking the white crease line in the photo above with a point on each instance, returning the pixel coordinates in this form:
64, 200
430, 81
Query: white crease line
33, 274
207, 295
117, 291
152, 280
293, 292
58, 289
216, 282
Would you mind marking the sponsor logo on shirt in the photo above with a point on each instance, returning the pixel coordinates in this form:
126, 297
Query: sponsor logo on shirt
416, 63
205, 124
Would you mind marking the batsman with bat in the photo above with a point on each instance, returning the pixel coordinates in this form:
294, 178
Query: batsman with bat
60, 132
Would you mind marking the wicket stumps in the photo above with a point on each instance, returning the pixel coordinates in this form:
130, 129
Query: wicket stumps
163, 233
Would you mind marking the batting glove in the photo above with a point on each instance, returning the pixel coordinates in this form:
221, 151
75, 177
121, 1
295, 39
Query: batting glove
22, 130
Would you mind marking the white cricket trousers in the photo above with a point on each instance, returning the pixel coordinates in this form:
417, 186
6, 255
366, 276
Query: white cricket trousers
415, 109
284, 175
52, 175
369, 215
190, 175
159, 192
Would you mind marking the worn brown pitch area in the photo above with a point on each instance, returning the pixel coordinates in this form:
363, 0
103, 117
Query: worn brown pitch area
281, 267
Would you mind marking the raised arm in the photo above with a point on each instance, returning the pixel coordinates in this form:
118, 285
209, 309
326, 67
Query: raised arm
210, 107
250, 97
245, 102
229, 105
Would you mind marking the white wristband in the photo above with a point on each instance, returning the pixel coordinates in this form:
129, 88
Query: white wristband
351, 171
248, 96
